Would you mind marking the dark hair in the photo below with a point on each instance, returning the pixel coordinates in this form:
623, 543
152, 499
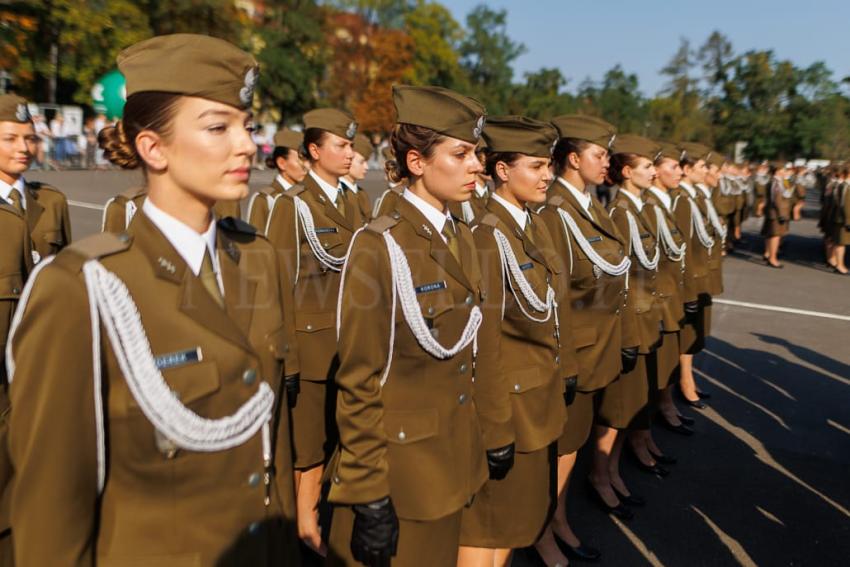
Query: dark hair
403, 139
143, 111
563, 149
312, 136
279, 151
618, 162
493, 158
687, 160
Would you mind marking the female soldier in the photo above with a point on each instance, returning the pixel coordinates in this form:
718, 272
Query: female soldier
415, 436
692, 218
589, 243
671, 288
170, 446
632, 170
357, 172
777, 213
717, 229
120, 209
840, 222
519, 274
286, 159
385, 204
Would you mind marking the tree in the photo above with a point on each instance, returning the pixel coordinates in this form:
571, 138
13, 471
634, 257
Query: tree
435, 35
382, 13
541, 97
218, 18
487, 53
616, 100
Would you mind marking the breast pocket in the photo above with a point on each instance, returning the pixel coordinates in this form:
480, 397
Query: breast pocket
54, 238
190, 383
435, 304
11, 286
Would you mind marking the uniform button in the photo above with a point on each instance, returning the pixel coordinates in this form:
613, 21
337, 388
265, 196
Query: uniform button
254, 528
516, 387
617, 312
461, 399
254, 480
395, 215
402, 436
16, 291
249, 376
123, 237
462, 368
325, 244
435, 332
309, 327
469, 299
557, 359
431, 310
336, 479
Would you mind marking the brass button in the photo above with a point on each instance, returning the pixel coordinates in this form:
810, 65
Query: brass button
16, 291
325, 244
516, 387
249, 376
469, 299
557, 359
309, 327
435, 332
395, 215
402, 436
431, 310
254, 480
461, 399
462, 368
336, 479
124, 237
617, 312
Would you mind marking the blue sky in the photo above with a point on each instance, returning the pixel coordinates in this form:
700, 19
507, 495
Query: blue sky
643, 36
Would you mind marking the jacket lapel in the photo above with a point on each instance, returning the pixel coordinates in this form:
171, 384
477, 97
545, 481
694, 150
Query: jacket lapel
239, 288
530, 248
330, 208
34, 208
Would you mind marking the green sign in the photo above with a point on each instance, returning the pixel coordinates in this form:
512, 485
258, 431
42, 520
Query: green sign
109, 94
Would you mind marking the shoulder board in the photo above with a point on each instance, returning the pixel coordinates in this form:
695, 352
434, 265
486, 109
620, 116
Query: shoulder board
133, 192
267, 190
382, 224
100, 245
233, 224
489, 220
556, 201
39, 186
295, 190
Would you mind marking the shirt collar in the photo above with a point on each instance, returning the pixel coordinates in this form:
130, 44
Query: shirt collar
520, 215
329, 189
480, 190
189, 244
689, 188
18, 185
350, 186
435, 216
582, 197
283, 182
638, 202
706, 190
663, 196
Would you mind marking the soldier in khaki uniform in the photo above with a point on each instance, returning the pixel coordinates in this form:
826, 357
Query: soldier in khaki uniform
359, 166
594, 251
421, 417
184, 461
472, 210
120, 209
291, 170
311, 226
525, 279
717, 228
385, 204
761, 185
778, 211
671, 288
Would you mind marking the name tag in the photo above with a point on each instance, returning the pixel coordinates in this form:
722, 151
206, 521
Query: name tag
326, 230
431, 287
527, 266
179, 358
674, 231
593, 239
644, 235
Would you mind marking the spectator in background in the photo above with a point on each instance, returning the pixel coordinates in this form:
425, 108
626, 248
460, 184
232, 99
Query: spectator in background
44, 142
57, 133
263, 147
90, 139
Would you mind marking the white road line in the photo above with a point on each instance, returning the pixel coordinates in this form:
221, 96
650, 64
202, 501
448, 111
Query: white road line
782, 309
838, 426
647, 553
85, 205
733, 545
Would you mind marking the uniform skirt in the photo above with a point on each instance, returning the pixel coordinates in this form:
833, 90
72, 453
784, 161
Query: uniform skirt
513, 512
432, 542
774, 227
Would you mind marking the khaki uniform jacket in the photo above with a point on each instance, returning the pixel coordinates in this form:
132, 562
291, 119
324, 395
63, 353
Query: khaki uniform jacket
358, 198
47, 217
642, 294
196, 508
724, 204
597, 302
422, 437
778, 210
477, 205
670, 282
115, 210
260, 205
530, 351
715, 259
388, 200
696, 255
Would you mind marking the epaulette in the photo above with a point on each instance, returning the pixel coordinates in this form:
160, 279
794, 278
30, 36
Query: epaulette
133, 192
381, 224
556, 200
489, 220
295, 190
91, 248
232, 224
38, 185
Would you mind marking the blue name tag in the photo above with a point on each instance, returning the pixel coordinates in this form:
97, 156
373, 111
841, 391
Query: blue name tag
527, 266
431, 287
326, 230
593, 239
179, 358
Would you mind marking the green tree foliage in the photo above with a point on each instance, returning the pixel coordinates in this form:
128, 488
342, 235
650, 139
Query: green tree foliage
541, 96
436, 36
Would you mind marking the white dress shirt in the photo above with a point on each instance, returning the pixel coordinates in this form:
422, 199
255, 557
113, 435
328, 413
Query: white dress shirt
283, 182
331, 191
189, 244
582, 196
520, 215
636, 200
690, 189
663, 196
353, 187
480, 190
705, 190
435, 216
18, 185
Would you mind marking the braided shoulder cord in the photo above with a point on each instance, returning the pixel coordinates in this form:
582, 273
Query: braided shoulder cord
637, 245
674, 253
331, 262
715, 220
611, 269
698, 224
510, 264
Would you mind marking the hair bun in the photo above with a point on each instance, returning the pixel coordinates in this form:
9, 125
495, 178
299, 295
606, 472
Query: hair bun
116, 148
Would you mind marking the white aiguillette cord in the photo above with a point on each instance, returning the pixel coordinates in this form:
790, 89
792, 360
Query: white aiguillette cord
699, 225
637, 245
611, 269
404, 291
509, 264
673, 252
331, 262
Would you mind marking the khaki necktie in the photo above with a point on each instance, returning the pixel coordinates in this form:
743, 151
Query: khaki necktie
209, 279
15, 197
451, 240
529, 233
340, 200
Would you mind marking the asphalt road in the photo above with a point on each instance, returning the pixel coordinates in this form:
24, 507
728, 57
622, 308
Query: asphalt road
766, 479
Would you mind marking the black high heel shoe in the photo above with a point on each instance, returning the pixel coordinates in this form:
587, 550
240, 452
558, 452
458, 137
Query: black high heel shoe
703, 395
655, 469
583, 552
629, 500
620, 511
664, 459
686, 420
696, 404
681, 429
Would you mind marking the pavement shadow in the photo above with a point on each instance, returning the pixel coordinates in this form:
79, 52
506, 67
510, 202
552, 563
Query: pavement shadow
797, 249
812, 357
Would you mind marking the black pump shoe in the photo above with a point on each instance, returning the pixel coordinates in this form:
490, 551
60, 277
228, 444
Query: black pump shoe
620, 511
681, 429
664, 459
686, 420
581, 553
696, 404
703, 395
655, 469
630, 500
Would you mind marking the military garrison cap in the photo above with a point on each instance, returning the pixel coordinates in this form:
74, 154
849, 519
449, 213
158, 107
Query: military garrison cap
363, 146
286, 138
520, 135
192, 65
694, 151
442, 110
638, 145
588, 128
717, 159
669, 151
14, 109
332, 120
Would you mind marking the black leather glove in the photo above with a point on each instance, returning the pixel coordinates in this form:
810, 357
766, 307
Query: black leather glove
500, 461
374, 538
629, 357
292, 385
570, 390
